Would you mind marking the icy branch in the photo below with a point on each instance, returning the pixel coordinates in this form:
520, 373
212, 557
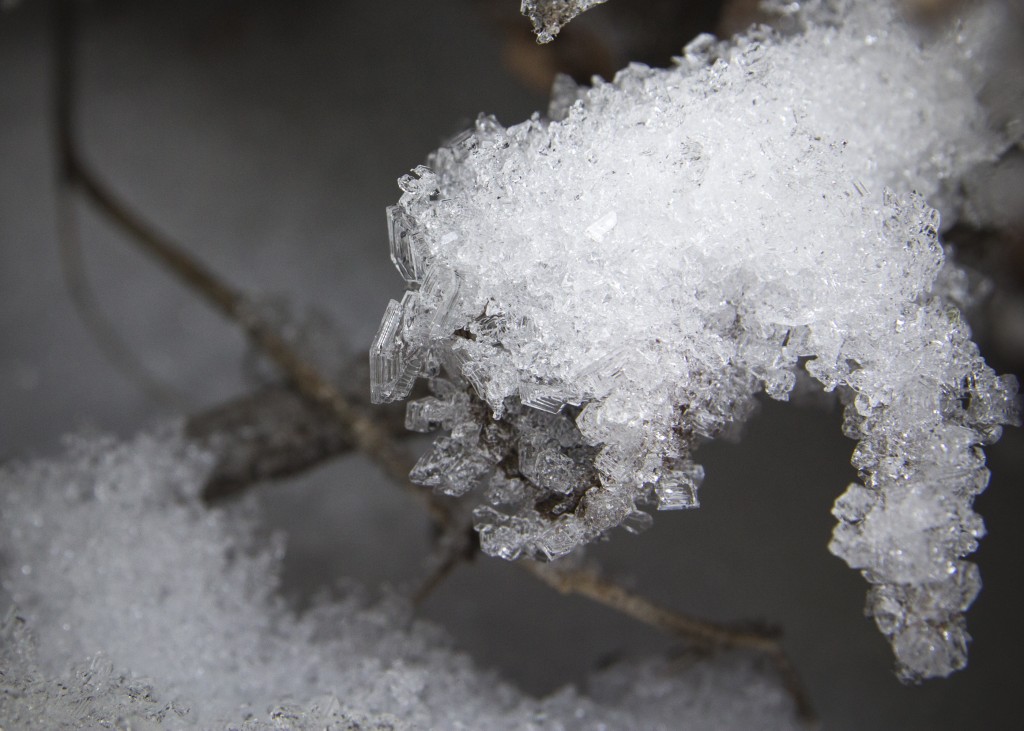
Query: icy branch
593, 294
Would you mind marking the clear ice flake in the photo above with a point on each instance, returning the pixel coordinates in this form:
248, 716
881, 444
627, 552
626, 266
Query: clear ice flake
546, 467
450, 468
599, 229
426, 414
560, 539
676, 494
505, 490
612, 285
676, 489
394, 364
543, 397
405, 253
440, 292
384, 356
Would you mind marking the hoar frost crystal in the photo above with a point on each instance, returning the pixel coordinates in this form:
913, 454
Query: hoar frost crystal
593, 293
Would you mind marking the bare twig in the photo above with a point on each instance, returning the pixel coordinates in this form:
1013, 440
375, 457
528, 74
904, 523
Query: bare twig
272, 434
72, 266
700, 632
459, 546
364, 431
91, 314
706, 634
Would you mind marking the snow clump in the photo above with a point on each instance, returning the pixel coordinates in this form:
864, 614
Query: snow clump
594, 293
127, 603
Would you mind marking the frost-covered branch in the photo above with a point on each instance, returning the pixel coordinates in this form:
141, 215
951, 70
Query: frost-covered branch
273, 434
592, 294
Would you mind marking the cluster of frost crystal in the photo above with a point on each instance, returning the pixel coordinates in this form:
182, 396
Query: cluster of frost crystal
548, 16
126, 603
593, 293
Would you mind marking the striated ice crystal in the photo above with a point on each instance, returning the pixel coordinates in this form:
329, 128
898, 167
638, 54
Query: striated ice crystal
632, 271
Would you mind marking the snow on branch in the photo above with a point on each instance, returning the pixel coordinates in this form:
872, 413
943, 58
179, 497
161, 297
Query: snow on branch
592, 294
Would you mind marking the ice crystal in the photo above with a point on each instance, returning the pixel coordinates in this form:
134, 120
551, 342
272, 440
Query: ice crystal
548, 16
613, 284
126, 603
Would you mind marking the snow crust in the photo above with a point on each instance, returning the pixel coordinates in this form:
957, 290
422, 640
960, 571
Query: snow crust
593, 293
126, 603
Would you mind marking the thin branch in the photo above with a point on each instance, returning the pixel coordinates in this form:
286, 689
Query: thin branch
105, 335
82, 296
255, 448
700, 632
437, 577
272, 434
64, 20
459, 545
362, 429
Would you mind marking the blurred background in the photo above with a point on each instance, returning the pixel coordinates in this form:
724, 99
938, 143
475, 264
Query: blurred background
266, 136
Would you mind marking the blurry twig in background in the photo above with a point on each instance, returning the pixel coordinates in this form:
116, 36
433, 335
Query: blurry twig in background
362, 430
72, 266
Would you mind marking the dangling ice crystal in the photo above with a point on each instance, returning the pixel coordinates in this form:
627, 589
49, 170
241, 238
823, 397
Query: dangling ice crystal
624, 278
548, 16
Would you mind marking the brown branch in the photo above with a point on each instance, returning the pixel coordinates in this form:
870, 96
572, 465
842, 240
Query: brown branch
364, 432
272, 434
87, 306
82, 296
700, 632
458, 544
451, 555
